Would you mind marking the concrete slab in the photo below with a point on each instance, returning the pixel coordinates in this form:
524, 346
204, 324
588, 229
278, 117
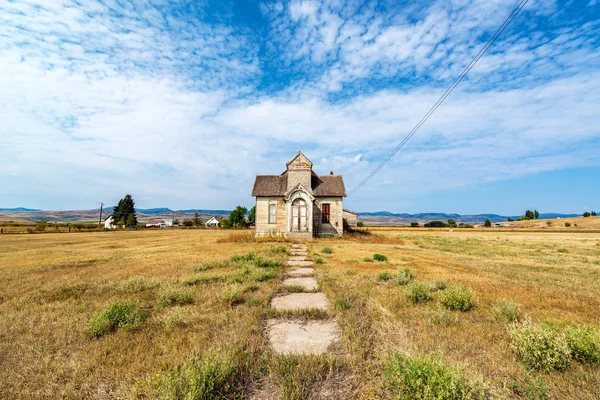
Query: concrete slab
299, 301
302, 337
297, 258
295, 263
307, 283
298, 246
300, 271
298, 253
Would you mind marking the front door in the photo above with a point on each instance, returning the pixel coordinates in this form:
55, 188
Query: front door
299, 216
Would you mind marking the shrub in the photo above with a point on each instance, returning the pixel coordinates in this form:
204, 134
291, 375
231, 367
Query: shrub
567, 224
440, 316
540, 347
404, 276
584, 343
507, 310
384, 276
327, 250
418, 292
360, 224
210, 377
414, 224
379, 257
563, 250
318, 260
175, 296
458, 298
120, 314
279, 249
367, 259
418, 377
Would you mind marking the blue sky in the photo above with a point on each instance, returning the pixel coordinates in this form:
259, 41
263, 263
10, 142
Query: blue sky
182, 103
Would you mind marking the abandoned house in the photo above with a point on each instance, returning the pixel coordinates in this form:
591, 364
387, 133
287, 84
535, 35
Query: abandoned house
300, 204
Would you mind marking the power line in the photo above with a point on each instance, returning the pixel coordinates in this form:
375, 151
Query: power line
414, 130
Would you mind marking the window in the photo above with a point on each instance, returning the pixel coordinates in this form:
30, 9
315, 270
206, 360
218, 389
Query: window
272, 213
325, 210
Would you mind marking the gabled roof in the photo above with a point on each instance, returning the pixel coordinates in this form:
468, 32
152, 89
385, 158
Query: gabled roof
270, 185
276, 185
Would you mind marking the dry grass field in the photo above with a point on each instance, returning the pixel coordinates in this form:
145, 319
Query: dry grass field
191, 318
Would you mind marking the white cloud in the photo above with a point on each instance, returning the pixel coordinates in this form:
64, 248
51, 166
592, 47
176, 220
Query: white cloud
96, 103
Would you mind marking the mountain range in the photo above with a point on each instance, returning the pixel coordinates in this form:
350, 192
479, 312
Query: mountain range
369, 218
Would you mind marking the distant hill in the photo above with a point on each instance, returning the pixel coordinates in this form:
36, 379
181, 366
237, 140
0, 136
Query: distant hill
388, 218
144, 214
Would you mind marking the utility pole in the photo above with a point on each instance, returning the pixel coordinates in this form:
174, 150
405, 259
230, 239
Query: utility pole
100, 219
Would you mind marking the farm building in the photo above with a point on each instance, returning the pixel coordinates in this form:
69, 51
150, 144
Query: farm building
109, 222
156, 223
212, 222
300, 204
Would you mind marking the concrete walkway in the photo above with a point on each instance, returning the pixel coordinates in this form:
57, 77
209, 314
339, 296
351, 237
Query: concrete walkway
296, 336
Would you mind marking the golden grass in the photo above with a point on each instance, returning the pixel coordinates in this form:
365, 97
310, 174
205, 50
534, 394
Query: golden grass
51, 285
549, 284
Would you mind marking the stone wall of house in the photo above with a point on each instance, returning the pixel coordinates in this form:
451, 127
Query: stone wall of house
350, 219
336, 225
262, 225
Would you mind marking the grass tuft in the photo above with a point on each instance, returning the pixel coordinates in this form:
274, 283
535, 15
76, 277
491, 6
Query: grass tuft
232, 295
300, 376
507, 311
418, 377
120, 314
318, 260
211, 377
440, 316
461, 298
327, 250
279, 249
136, 284
384, 276
174, 296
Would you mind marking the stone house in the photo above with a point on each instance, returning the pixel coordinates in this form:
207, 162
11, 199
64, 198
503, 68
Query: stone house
298, 203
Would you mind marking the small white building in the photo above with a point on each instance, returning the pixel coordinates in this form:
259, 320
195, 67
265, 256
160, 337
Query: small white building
171, 222
212, 223
109, 222
156, 223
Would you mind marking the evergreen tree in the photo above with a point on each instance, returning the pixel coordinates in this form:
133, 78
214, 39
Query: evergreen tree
536, 214
196, 219
488, 224
451, 222
593, 213
124, 212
